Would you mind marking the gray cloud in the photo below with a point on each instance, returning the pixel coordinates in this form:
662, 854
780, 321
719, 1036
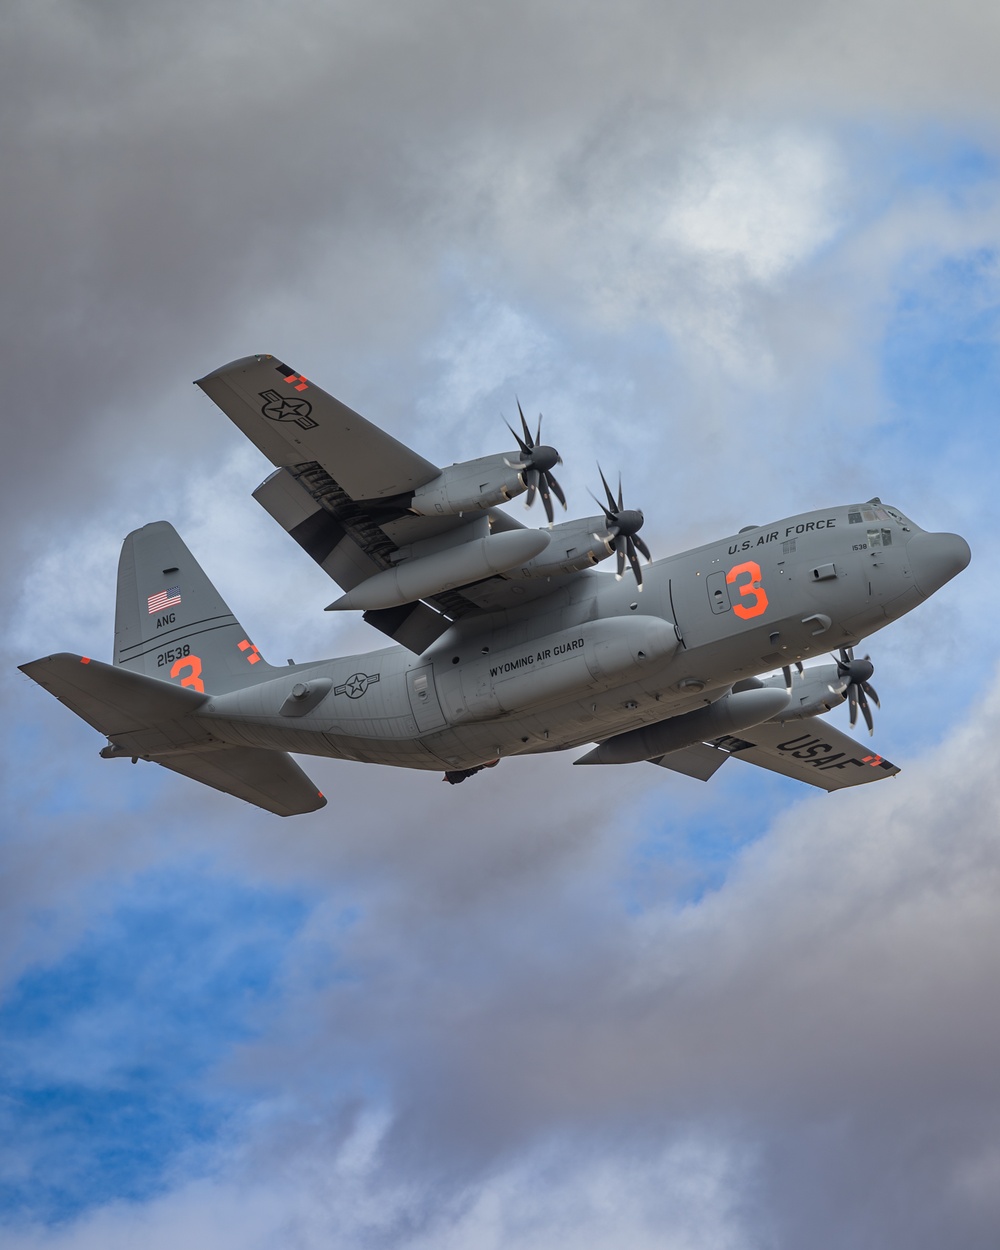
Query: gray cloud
176, 170
807, 1054
666, 226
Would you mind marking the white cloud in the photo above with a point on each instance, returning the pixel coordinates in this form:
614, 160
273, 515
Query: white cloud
671, 225
765, 205
687, 1195
698, 1076
668, 228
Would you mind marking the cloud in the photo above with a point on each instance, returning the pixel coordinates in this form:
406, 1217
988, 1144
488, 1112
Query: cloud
818, 1030
743, 253
679, 1198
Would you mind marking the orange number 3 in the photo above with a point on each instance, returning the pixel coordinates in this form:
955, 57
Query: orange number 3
752, 589
193, 678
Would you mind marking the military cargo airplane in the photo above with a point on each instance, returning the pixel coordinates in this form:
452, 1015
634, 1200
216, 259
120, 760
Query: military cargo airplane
506, 640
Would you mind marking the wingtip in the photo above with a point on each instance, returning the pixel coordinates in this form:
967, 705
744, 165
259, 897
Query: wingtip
244, 362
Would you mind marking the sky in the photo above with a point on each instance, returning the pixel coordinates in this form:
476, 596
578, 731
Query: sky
748, 255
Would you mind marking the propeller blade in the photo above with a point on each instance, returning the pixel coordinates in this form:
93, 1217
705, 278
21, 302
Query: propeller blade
607, 517
610, 510
869, 690
525, 449
786, 671
532, 478
620, 550
866, 710
642, 546
633, 559
547, 498
556, 489
852, 699
524, 425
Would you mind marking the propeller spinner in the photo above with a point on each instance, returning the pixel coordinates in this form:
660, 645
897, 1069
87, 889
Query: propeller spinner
857, 673
536, 465
623, 525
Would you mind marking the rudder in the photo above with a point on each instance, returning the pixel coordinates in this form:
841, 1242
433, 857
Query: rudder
172, 624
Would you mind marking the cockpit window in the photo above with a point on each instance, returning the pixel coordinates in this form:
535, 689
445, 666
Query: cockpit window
870, 513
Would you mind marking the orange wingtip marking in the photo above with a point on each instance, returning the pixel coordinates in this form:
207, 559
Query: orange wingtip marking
320, 794
84, 659
252, 659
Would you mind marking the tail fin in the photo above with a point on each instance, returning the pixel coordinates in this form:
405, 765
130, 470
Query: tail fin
171, 622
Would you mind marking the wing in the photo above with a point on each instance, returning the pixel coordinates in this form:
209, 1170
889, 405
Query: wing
342, 489
293, 421
808, 750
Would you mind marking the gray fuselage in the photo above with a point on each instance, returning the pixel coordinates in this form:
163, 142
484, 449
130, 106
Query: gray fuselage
596, 657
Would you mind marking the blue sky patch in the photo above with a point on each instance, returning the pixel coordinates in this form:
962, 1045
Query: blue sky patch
941, 354
695, 831
105, 1053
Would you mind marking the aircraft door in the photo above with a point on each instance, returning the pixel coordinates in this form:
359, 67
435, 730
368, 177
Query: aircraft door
423, 699
718, 592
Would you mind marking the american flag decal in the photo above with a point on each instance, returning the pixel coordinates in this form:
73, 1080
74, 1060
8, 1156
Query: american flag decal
165, 599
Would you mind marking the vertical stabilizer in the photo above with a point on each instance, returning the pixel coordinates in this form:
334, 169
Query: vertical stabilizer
171, 623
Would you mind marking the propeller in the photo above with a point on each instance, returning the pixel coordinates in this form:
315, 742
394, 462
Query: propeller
856, 674
624, 523
786, 672
536, 463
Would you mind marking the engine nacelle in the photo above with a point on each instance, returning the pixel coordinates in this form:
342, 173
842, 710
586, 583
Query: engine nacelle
573, 545
471, 486
814, 692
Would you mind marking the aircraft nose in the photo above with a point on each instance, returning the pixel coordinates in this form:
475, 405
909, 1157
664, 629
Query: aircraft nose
936, 559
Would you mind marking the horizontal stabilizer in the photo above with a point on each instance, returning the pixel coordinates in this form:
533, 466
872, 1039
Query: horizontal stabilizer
143, 716
268, 779
141, 713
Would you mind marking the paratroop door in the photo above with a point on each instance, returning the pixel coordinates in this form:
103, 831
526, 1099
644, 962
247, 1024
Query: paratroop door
423, 699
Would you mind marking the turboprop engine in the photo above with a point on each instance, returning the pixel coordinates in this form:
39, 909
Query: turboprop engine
472, 486
475, 485
813, 692
573, 545
824, 686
